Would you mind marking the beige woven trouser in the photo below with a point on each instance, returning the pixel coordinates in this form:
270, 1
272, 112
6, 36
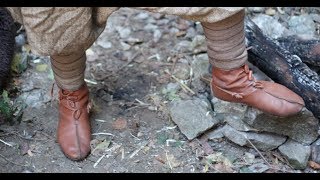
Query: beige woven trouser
65, 33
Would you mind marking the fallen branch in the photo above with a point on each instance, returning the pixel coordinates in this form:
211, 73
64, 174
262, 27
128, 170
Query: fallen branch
307, 50
283, 67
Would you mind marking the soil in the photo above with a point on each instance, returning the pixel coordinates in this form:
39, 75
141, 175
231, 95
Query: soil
130, 119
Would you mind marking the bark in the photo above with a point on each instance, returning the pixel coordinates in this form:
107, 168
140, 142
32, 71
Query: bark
307, 50
283, 67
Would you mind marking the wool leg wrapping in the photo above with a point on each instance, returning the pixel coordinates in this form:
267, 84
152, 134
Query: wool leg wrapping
226, 42
69, 70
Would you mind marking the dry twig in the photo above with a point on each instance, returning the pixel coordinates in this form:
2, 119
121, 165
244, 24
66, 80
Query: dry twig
180, 83
3, 157
270, 166
8, 144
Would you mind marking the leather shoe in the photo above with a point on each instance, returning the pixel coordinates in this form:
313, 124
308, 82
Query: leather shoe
74, 131
239, 85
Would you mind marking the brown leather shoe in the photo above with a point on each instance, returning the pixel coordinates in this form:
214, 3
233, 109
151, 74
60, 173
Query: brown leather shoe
238, 85
74, 131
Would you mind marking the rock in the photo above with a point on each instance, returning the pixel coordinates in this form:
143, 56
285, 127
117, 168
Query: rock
123, 32
213, 134
182, 46
191, 33
182, 71
275, 31
199, 28
315, 151
125, 46
270, 11
173, 87
142, 16
171, 90
258, 168
20, 40
173, 31
262, 141
297, 154
230, 150
256, 9
193, 117
249, 158
302, 24
199, 67
157, 34
35, 98
158, 15
198, 40
150, 27
161, 22
104, 44
315, 17
233, 113
236, 122
225, 107
302, 127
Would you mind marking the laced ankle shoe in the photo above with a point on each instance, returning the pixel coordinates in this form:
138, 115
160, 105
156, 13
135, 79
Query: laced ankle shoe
239, 85
74, 131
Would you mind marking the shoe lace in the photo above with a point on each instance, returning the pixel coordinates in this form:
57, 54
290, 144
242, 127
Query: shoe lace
254, 83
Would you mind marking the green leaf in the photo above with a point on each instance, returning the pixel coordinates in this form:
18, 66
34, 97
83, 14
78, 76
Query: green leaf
19, 63
102, 147
41, 67
5, 107
5, 96
162, 138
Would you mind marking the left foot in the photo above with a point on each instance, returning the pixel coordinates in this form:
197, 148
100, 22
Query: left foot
74, 131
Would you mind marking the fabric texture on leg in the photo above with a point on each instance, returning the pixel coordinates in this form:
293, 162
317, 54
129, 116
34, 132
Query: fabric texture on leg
69, 70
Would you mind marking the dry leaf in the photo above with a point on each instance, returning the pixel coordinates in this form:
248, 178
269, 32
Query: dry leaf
218, 157
158, 158
181, 33
172, 161
270, 11
221, 167
119, 124
27, 48
314, 165
94, 143
30, 153
101, 148
41, 67
206, 168
24, 148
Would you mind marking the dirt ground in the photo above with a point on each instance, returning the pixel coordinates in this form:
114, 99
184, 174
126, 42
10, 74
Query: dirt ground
131, 126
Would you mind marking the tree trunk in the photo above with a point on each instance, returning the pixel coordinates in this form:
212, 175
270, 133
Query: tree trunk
283, 67
307, 50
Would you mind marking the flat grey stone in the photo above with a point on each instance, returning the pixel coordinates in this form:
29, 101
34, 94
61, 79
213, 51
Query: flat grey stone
193, 117
297, 154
